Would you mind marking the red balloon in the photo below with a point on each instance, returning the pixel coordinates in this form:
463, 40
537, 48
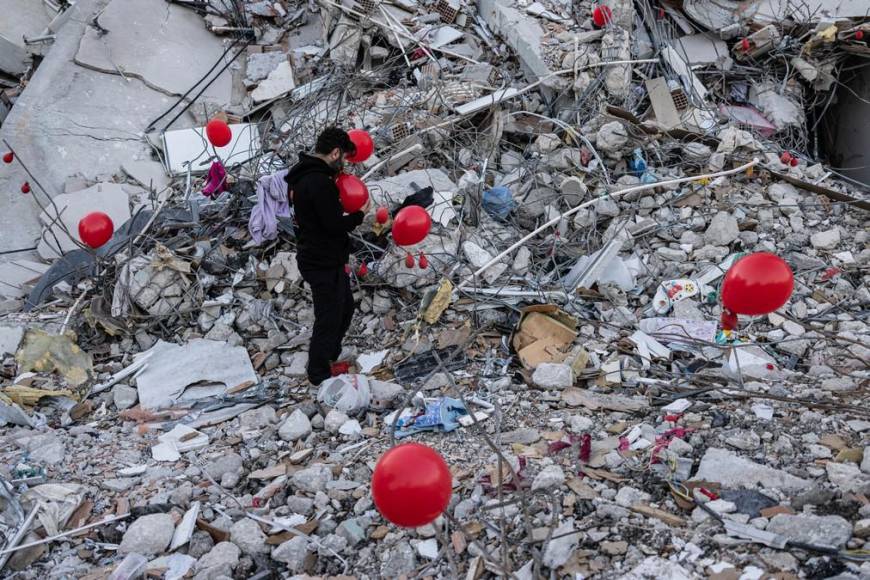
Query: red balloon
363, 143
422, 261
352, 192
411, 225
745, 45
8, 157
411, 485
25, 187
382, 215
218, 132
601, 15
785, 158
409, 261
363, 270
757, 284
95, 229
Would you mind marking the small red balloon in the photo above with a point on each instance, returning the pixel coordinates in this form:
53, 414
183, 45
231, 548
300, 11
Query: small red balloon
601, 15
363, 270
8, 157
785, 157
363, 143
409, 261
352, 192
382, 215
794, 161
411, 225
745, 45
25, 187
411, 485
757, 284
859, 35
95, 229
218, 132
423, 261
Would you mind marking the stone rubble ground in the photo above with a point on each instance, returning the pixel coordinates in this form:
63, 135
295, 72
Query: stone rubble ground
646, 445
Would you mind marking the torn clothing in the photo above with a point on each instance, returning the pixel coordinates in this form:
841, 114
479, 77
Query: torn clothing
333, 312
322, 226
272, 203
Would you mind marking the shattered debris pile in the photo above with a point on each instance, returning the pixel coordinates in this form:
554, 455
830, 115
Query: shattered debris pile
591, 175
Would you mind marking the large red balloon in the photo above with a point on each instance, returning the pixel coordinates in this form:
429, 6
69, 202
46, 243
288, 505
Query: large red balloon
352, 192
411, 225
218, 132
363, 143
95, 229
757, 284
411, 485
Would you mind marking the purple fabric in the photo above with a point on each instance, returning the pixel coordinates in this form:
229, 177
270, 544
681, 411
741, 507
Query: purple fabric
272, 203
216, 181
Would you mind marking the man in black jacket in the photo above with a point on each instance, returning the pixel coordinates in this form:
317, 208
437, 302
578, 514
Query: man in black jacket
324, 245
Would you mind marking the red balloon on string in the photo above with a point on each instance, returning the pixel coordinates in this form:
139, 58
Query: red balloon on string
382, 215
601, 15
411, 485
409, 261
423, 261
785, 158
745, 45
352, 192
859, 35
95, 229
363, 270
25, 187
363, 143
218, 132
411, 225
757, 284
8, 157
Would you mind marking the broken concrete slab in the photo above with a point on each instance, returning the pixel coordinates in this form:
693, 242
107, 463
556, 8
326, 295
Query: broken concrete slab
17, 276
260, 64
196, 370
524, 34
164, 48
148, 174
190, 146
279, 82
10, 338
731, 470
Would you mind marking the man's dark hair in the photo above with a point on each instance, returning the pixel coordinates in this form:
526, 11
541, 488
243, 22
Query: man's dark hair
333, 137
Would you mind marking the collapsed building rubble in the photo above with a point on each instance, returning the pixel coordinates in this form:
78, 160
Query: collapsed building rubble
591, 176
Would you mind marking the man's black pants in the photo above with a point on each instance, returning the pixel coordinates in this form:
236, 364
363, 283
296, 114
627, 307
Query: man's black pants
333, 311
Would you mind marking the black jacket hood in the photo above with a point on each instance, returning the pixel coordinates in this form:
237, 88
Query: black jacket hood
307, 165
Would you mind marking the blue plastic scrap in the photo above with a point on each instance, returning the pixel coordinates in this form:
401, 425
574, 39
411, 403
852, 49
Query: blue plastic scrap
442, 415
498, 202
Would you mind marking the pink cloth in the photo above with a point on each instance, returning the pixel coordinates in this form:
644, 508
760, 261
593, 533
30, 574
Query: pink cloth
272, 203
216, 181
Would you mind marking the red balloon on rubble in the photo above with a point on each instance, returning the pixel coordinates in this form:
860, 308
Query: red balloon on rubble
8, 157
352, 192
25, 187
409, 261
363, 143
382, 215
412, 224
411, 485
601, 16
757, 284
218, 132
423, 261
95, 229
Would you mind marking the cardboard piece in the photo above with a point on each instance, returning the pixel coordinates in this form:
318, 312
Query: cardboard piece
544, 334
